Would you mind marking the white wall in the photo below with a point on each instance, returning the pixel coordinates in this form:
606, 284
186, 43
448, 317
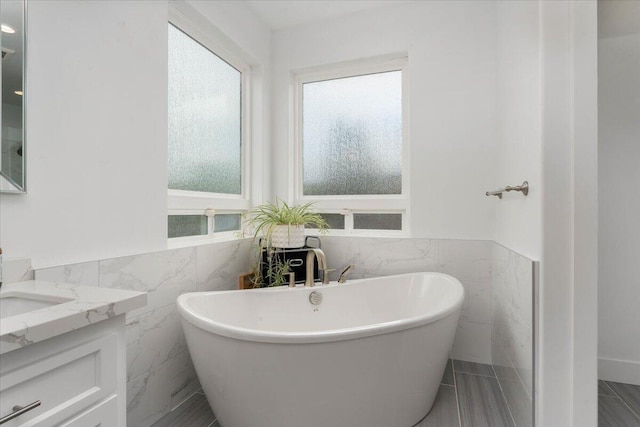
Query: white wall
96, 127
547, 126
452, 128
518, 218
566, 340
619, 204
584, 259
95, 111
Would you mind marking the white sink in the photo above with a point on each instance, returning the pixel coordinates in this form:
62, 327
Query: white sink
12, 304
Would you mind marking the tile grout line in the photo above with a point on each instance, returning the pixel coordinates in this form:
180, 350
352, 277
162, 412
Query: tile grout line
608, 388
475, 375
504, 397
183, 402
624, 402
453, 368
198, 392
215, 417
519, 377
455, 388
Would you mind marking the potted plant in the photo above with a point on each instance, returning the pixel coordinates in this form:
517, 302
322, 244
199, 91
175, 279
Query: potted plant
277, 226
281, 225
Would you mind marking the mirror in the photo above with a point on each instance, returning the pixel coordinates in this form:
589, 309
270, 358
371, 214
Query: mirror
13, 153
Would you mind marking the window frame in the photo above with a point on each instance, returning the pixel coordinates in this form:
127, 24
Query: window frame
186, 202
350, 204
211, 236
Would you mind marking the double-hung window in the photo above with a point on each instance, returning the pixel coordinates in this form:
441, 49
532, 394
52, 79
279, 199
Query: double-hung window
207, 136
351, 146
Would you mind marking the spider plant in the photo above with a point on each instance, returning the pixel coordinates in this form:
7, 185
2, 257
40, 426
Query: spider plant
266, 217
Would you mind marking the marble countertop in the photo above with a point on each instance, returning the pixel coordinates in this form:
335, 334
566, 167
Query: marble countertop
82, 306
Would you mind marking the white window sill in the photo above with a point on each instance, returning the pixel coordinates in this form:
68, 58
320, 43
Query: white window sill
186, 242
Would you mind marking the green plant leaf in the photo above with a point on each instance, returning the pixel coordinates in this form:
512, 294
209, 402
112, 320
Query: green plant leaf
264, 218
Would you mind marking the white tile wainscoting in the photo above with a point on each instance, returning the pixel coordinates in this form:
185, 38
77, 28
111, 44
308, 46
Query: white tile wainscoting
467, 260
496, 322
513, 285
160, 374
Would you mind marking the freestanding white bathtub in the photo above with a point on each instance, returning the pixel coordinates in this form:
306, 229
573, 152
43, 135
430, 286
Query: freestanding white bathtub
372, 353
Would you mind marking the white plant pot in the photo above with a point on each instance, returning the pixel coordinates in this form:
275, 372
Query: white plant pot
287, 236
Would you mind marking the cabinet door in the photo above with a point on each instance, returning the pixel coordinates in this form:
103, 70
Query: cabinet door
66, 381
101, 415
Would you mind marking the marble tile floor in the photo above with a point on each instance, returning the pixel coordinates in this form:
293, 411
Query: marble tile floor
618, 404
469, 396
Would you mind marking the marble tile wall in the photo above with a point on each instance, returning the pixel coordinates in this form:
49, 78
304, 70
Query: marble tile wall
512, 330
160, 374
467, 260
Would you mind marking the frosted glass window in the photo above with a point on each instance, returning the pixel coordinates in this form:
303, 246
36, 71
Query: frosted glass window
226, 222
187, 225
375, 221
334, 220
352, 135
204, 116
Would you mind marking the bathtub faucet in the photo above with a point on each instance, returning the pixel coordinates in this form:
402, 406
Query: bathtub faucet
343, 275
322, 266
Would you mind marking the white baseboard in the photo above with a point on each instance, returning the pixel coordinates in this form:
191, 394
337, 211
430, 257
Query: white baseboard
620, 371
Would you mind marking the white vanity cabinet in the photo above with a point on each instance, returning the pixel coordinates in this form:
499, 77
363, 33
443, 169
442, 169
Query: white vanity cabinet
63, 354
79, 378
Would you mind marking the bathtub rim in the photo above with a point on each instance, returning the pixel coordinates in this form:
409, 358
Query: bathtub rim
332, 335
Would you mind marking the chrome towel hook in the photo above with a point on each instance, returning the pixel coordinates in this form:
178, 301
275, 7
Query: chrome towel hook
524, 189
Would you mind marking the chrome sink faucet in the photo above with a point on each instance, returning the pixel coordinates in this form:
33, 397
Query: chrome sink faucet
322, 266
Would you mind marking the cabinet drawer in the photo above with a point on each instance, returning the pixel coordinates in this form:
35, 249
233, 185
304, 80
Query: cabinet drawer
66, 382
102, 415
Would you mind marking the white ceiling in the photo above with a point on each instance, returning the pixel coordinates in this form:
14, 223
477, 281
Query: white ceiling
279, 14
